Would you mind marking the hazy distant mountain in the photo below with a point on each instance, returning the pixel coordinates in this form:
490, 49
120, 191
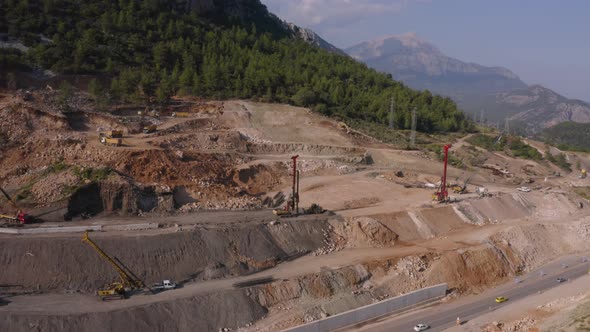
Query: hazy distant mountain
536, 108
496, 90
422, 65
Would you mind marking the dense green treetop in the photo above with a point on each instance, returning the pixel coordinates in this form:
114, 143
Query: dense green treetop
154, 48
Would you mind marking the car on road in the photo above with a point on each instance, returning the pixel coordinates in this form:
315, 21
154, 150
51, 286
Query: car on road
421, 327
501, 299
560, 280
524, 189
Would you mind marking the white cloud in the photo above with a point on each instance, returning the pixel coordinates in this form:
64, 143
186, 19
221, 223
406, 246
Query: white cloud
332, 13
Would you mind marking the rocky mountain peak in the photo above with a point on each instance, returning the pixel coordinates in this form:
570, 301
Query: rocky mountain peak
408, 39
410, 52
422, 65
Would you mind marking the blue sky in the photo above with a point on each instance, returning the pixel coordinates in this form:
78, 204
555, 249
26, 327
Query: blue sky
542, 41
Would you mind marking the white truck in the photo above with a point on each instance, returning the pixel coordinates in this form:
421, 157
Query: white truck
524, 189
164, 285
482, 192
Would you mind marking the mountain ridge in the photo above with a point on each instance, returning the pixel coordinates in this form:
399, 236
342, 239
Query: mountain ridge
422, 65
412, 40
545, 108
244, 10
311, 37
498, 91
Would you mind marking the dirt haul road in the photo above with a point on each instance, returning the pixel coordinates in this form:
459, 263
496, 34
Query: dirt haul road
433, 231
34, 308
54, 303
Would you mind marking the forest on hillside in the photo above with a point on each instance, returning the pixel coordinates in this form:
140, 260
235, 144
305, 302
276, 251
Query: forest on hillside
571, 136
154, 49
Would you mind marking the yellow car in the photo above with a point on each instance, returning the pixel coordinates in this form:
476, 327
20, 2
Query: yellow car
501, 299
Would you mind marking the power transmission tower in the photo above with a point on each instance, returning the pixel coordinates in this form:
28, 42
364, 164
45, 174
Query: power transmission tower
391, 111
413, 134
507, 126
481, 117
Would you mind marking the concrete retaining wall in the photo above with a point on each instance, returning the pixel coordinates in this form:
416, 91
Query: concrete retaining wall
131, 227
78, 229
373, 310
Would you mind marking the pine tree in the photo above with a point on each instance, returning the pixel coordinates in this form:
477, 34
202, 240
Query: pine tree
94, 88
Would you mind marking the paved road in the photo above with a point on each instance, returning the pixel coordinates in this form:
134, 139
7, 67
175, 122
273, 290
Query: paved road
444, 316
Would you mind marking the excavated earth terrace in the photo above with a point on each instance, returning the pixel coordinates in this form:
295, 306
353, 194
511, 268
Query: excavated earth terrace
206, 185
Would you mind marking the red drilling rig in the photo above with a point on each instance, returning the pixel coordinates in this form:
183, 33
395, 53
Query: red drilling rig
20, 217
295, 200
442, 195
292, 206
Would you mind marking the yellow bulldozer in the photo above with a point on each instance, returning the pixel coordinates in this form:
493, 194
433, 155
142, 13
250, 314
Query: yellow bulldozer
150, 129
180, 114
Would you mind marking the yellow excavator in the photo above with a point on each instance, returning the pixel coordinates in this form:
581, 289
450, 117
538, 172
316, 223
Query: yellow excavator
457, 189
118, 289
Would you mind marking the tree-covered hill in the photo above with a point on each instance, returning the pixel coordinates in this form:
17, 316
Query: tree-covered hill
153, 49
568, 136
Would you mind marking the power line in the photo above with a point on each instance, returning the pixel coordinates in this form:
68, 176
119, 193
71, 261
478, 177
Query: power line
413, 134
507, 126
481, 113
391, 113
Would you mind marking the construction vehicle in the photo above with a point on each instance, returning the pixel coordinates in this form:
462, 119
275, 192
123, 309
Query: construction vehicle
115, 133
148, 112
164, 285
524, 189
583, 174
110, 140
442, 194
20, 218
180, 114
482, 192
150, 129
462, 189
282, 212
118, 289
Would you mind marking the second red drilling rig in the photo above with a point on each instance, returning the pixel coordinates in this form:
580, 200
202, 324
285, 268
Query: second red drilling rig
292, 206
442, 194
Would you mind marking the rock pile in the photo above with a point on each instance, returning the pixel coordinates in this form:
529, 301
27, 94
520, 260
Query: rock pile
411, 266
231, 203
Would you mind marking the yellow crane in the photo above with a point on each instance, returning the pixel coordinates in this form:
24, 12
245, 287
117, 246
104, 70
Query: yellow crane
117, 289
